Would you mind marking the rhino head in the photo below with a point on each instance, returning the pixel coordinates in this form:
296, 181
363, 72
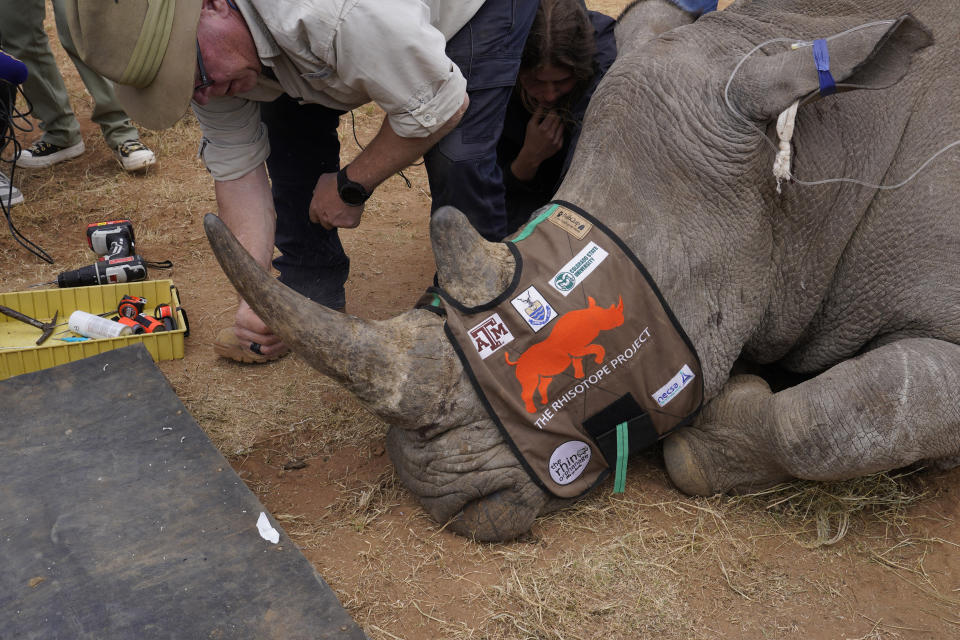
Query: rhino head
444, 446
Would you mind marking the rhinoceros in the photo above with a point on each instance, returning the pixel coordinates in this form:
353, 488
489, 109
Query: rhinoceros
853, 287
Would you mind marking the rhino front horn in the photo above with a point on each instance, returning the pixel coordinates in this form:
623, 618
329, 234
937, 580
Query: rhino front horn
364, 356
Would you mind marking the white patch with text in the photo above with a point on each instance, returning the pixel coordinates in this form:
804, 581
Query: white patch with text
569, 461
579, 267
677, 383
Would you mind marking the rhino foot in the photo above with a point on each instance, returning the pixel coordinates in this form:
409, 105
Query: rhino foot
725, 451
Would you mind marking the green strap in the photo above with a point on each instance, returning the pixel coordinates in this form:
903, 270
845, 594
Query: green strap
527, 230
623, 449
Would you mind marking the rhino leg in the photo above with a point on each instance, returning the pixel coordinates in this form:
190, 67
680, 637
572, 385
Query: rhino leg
470, 479
891, 407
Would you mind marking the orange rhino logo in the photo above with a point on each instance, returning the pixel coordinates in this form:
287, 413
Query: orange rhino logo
570, 340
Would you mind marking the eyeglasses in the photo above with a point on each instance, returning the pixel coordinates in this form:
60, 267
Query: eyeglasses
204, 80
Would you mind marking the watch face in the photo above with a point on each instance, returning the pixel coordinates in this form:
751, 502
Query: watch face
352, 195
351, 192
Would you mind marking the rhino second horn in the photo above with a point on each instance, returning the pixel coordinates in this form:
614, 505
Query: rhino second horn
471, 269
367, 357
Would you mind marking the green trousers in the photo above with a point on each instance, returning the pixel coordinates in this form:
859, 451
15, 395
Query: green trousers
25, 38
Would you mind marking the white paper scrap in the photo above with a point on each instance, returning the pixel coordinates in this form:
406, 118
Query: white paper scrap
267, 532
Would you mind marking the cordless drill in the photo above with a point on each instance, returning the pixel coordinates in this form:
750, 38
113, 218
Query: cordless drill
113, 242
128, 269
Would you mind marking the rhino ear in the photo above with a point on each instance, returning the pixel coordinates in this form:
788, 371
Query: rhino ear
642, 21
874, 57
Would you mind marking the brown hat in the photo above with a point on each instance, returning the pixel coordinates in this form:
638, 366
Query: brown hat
147, 47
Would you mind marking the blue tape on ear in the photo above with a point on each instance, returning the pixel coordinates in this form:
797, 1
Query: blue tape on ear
697, 7
822, 59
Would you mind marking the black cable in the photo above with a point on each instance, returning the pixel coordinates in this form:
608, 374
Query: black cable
9, 116
353, 126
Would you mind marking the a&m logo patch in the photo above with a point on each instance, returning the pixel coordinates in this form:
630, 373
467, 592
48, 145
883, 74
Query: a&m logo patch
490, 335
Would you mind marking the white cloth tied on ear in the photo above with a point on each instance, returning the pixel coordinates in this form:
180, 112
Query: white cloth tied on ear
785, 122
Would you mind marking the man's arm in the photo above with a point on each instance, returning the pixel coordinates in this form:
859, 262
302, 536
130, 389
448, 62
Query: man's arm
386, 154
246, 206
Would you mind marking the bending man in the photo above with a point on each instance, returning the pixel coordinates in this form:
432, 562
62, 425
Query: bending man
269, 80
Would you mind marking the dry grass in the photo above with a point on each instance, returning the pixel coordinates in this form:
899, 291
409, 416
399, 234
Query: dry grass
638, 581
305, 412
822, 512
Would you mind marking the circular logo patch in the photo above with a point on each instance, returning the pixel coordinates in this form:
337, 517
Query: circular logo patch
568, 461
565, 281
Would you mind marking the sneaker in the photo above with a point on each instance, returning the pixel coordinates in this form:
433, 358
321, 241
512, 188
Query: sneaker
134, 155
228, 346
43, 154
9, 194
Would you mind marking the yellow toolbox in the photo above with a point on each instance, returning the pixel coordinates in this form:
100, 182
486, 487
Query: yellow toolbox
19, 352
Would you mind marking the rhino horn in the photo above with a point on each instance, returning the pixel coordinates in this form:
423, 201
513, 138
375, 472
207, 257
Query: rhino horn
375, 360
469, 268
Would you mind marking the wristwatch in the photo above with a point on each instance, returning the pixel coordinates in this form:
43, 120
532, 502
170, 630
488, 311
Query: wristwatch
352, 193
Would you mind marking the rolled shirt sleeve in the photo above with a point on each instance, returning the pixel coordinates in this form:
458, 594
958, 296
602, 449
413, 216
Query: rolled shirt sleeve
389, 51
234, 139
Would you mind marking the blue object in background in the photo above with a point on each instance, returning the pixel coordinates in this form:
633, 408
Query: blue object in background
697, 7
11, 69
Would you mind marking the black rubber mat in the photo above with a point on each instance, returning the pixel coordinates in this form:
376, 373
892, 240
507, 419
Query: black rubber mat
119, 519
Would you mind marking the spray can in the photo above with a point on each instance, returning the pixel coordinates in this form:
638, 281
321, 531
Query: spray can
92, 326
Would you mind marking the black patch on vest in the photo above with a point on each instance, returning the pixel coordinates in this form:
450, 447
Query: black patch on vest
602, 427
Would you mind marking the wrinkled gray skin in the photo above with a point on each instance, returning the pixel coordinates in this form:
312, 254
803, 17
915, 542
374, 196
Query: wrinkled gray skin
857, 288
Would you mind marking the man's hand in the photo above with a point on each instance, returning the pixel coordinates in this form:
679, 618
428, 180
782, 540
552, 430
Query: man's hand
543, 139
250, 328
328, 210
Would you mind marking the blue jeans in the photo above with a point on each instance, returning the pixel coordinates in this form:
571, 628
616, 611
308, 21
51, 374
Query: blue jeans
462, 168
304, 145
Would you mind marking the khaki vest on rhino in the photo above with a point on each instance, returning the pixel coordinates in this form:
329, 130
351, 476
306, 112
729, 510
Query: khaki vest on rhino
580, 362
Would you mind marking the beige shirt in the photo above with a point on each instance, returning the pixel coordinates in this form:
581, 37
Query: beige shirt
341, 54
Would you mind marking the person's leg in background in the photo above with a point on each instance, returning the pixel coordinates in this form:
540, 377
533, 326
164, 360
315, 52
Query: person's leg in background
118, 131
24, 38
462, 168
304, 145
